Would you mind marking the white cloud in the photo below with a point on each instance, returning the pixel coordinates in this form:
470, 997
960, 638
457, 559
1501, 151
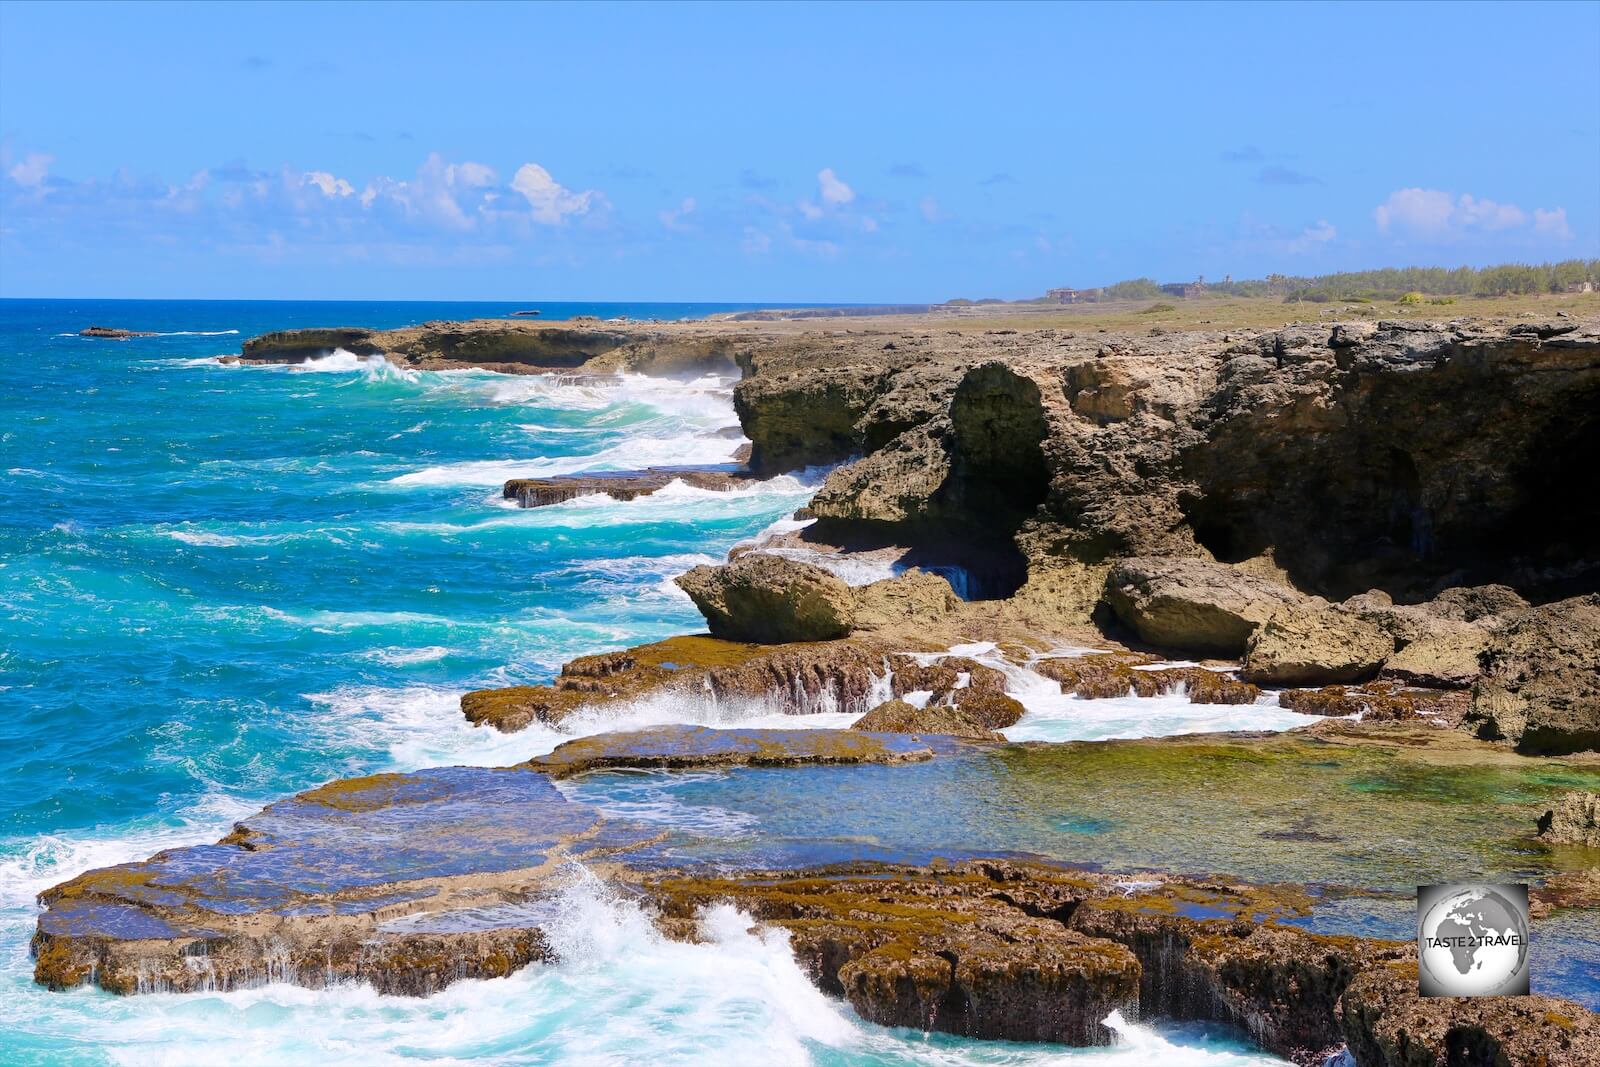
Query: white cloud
1552, 223
329, 185
673, 220
32, 170
810, 210
869, 224
1488, 214
470, 175
552, 203
931, 211
1426, 210
1437, 215
832, 189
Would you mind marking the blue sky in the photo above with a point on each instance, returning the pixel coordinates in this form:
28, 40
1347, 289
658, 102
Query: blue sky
781, 153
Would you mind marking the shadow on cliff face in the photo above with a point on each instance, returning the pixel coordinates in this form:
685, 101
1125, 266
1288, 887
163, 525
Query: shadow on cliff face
998, 477
1469, 472
982, 475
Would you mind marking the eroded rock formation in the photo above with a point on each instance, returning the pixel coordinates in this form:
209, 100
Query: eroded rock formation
1315, 645
1574, 819
1193, 604
771, 600
1540, 688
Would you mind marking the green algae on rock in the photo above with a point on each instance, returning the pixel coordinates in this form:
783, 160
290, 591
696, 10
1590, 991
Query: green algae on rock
797, 678
898, 717
997, 948
700, 746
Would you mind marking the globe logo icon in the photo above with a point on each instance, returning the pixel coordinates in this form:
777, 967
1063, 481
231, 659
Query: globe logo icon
1472, 940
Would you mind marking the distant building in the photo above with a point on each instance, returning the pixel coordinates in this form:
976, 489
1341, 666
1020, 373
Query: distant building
1074, 296
1185, 289
1575, 287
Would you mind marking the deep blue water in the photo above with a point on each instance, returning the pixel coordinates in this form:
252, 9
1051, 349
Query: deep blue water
220, 585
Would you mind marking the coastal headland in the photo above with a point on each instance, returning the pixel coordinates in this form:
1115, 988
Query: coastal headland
1382, 525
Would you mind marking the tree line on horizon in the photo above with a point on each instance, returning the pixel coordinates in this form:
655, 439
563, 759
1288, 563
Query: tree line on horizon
1392, 283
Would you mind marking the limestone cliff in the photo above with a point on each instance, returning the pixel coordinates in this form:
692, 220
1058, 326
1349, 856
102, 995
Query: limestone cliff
1407, 456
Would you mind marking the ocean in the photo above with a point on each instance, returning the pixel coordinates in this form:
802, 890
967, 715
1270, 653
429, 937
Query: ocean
220, 585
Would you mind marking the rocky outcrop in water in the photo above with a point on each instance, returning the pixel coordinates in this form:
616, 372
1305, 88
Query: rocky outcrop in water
1387, 1024
1574, 819
1379, 701
413, 881
1118, 674
487, 343
688, 747
795, 678
997, 949
1540, 688
771, 600
898, 717
112, 333
1193, 604
951, 951
1314, 645
311, 890
618, 485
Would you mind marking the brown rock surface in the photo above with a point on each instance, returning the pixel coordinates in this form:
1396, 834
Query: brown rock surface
1446, 658
1388, 1024
990, 708
796, 679
1573, 820
1193, 604
903, 602
1117, 674
1380, 701
678, 747
619, 485
770, 599
1315, 645
898, 717
1540, 688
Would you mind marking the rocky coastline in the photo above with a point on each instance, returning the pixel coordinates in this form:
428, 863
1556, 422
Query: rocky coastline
1378, 525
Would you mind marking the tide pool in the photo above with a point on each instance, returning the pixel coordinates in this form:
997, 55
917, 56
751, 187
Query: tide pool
220, 585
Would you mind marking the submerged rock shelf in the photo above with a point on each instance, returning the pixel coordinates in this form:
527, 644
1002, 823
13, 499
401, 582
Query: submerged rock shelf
418, 880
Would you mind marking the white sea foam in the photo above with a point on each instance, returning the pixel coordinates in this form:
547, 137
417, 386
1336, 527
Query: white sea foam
621, 992
706, 400
675, 502
636, 453
50, 859
1056, 716
201, 538
852, 569
371, 368
1052, 715
420, 726
405, 657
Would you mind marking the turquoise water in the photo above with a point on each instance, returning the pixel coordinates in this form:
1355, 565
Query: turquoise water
220, 585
